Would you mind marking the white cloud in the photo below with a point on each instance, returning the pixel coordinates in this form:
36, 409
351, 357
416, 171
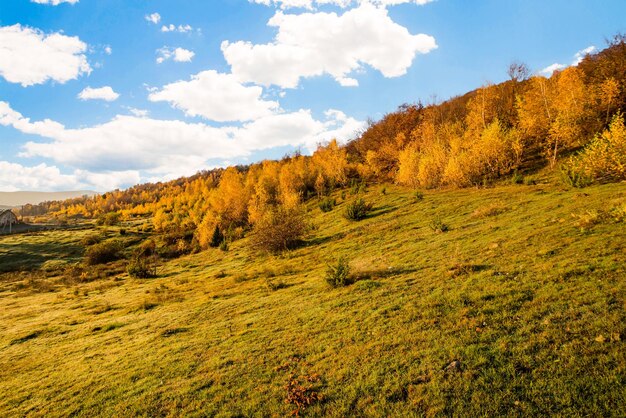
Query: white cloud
105, 93
578, 57
313, 44
153, 18
174, 28
54, 2
29, 56
166, 148
552, 68
15, 177
312, 4
140, 113
108, 50
177, 54
216, 96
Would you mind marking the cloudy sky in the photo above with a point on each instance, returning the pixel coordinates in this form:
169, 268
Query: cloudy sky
101, 94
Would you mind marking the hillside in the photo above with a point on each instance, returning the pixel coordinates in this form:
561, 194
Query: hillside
16, 199
517, 310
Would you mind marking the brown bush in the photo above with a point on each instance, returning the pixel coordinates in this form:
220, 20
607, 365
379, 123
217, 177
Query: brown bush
280, 229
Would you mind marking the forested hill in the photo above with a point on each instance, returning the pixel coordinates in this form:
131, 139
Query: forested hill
571, 122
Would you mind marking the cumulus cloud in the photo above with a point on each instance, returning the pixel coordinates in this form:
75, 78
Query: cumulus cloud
54, 2
216, 96
28, 56
153, 18
314, 44
168, 148
105, 93
312, 4
174, 28
176, 54
578, 57
15, 177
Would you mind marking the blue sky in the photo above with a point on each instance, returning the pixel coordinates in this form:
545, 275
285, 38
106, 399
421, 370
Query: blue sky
105, 94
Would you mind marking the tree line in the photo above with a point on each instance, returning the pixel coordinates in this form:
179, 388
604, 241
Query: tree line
571, 121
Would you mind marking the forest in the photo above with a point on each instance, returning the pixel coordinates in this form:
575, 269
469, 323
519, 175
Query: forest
571, 122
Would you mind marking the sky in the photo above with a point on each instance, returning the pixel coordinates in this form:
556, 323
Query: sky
105, 94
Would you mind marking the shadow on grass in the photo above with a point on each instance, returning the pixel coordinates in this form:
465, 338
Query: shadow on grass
466, 269
379, 211
21, 261
377, 274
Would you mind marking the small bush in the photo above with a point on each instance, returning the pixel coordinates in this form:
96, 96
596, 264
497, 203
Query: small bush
217, 238
492, 209
327, 204
91, 239
109, 219
142, 267
618, 212
587, 220
339, 274
274, 285
418, 196
574, 177
280, 229
438, 226
224, 246
517, 178
529, 181
146, 248
357, 188
357, 210
103, 252
54, 265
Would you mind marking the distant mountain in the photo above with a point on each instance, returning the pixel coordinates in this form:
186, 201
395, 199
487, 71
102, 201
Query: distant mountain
16, 199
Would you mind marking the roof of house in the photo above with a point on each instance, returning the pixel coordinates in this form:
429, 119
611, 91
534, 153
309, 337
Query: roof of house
3, 211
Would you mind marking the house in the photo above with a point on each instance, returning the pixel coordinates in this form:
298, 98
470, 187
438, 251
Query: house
7, 218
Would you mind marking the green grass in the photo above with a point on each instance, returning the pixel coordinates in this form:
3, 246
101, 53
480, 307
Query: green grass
530, 303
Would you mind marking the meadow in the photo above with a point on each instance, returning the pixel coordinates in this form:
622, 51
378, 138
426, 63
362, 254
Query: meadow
500, 301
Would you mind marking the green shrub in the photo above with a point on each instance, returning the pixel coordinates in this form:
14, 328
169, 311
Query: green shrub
618, 212
517, 178
357, 210
224, 246
574, 176
357, 187
91, 239
339, 274
217, 238
103, 252
327, 204
418, 196
146, 248
437, 225
142, 267
109, 219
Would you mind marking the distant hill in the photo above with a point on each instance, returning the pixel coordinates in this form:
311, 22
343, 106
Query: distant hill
15, 199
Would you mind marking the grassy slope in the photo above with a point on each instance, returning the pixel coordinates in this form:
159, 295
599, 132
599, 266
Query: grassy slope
533, 307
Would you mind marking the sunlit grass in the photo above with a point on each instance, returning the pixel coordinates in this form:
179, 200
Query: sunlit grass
531, 305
